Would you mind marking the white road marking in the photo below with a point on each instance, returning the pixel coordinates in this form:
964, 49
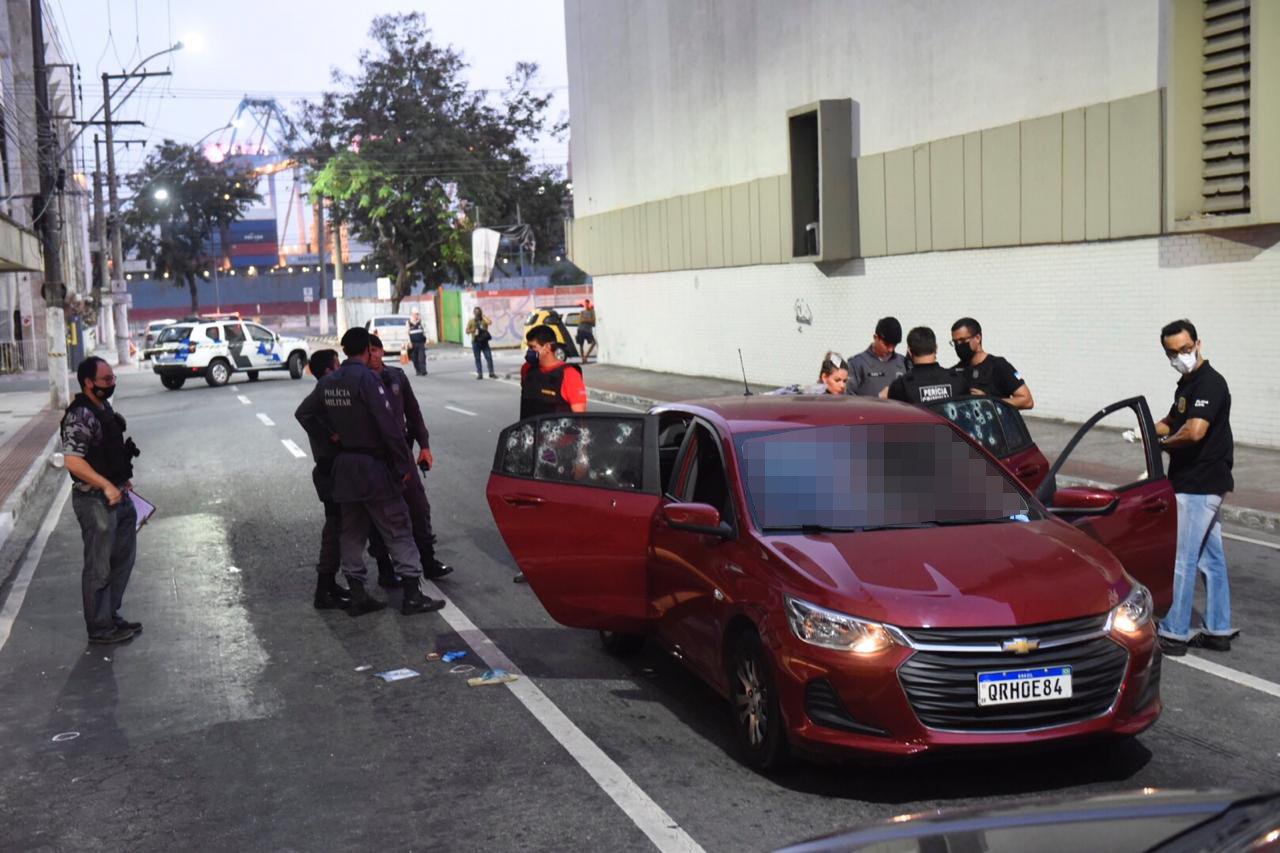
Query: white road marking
1264, 543
647, 815
18, 592
266, 420
243, 399
298, 452
1235, 675
460, 411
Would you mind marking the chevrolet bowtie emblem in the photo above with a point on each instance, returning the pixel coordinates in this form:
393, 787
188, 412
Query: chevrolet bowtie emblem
1020, 645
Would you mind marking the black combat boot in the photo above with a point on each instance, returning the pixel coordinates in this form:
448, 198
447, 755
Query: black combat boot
361, 603
414, 600
330, 596
433, 569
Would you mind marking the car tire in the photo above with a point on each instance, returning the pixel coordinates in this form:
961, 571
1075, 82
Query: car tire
218, 372
622, 645
757, 721
297, 363
253, 375
173, 383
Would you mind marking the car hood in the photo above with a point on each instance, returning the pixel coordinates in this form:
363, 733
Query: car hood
970, 576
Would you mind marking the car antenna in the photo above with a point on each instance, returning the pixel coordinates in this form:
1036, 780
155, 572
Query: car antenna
746, 389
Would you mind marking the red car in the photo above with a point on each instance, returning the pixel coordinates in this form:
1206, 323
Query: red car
852, 575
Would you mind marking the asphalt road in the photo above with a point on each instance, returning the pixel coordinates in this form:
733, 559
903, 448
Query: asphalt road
237, 720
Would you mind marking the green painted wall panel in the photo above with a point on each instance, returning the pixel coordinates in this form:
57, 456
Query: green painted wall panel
1073, 176
871, 223
973, 190
900, 201
924, 225
697, 227
1001, 196
715, 228
1135, 165
770, 220
1097, 172
1041, 206
740, 225
946, 189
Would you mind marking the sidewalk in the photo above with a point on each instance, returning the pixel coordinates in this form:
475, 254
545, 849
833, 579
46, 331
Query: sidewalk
1104, 460
27, 428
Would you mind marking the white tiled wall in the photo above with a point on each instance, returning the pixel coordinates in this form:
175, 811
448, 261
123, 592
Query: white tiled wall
1080, 321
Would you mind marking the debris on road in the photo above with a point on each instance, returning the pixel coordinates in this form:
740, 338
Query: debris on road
450, 657
398, 674
433, 656
462, 669
364, 668
492, 676
61, 737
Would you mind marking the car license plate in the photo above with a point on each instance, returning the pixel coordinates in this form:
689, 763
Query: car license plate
1024, 685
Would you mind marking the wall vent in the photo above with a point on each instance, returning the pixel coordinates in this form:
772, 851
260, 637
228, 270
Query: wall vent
1225, 107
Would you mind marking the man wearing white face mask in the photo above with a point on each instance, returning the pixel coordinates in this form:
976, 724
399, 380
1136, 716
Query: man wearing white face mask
1197, 436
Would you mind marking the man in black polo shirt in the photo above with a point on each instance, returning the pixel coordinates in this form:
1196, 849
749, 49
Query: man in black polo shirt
927, 381
1197, 436
984, 373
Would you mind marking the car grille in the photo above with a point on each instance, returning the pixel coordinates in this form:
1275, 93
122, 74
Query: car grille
942, 685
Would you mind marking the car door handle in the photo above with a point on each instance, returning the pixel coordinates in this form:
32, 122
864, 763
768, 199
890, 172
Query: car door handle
1027, 469
523, 500
1154, 505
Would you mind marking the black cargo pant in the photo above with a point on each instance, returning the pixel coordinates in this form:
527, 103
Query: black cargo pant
110, 548
331, 534
418, 350
415, 497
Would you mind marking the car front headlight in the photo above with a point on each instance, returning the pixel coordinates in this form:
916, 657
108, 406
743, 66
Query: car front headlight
1134, 612
829, 629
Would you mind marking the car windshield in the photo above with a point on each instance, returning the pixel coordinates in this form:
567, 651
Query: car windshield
169, 334
861, 477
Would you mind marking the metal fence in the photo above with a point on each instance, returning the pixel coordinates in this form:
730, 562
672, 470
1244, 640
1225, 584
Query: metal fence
17, 356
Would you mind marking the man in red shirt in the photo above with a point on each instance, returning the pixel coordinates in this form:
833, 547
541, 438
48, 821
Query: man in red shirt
547, 384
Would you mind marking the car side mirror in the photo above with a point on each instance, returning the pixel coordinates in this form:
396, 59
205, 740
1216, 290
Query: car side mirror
696, 518
1083, 501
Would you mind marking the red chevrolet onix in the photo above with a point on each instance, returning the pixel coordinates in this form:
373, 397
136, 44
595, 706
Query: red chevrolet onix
854, 575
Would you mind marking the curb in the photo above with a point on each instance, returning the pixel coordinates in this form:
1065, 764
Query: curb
1255, 519
15, 504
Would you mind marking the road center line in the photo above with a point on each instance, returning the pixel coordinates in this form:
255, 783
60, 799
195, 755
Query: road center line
289, 445
1235, 675
266, 420
460, 411
1264, 543
647, 815
18, 592
243, 399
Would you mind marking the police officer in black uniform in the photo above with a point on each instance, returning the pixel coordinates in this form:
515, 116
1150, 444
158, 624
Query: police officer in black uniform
984, 373
405, 405
100, 461
324, 449
927, 381
370, 472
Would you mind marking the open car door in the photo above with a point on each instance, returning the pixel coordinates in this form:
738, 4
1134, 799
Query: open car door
574, 497
999, 428
1139, 522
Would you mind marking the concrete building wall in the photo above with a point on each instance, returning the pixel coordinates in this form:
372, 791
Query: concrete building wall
1080, 321
668, 98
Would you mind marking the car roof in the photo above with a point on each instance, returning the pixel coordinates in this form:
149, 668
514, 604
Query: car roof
761, 412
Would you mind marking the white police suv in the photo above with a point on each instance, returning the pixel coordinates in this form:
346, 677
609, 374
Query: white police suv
214, 347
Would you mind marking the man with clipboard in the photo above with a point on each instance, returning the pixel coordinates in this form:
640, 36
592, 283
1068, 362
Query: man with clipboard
100, 461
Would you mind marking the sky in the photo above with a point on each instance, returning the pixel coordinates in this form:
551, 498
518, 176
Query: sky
285, 49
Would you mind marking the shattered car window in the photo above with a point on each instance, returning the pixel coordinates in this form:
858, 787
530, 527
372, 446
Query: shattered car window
605, 452
978, 418
517, 451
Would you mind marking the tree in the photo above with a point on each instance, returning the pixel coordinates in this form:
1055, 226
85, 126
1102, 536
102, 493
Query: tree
408, 153
180, 199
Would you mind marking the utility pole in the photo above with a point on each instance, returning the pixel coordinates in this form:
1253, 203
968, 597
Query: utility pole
118, 293
106, 322
339, 302
320, 242
54, 289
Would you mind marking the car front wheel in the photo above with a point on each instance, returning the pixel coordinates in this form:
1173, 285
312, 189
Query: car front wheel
757, 717
297, 363
217, 373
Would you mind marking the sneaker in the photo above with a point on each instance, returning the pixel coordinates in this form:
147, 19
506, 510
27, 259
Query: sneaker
493, 375
1173, 648
480, 376
1212, 642
135, 627
117, 635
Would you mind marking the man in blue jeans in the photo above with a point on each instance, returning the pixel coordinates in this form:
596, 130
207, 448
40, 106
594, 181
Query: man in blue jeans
1197, 436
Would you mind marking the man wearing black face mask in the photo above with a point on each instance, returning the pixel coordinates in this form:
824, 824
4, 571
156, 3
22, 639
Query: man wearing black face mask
100, 461
983, 373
